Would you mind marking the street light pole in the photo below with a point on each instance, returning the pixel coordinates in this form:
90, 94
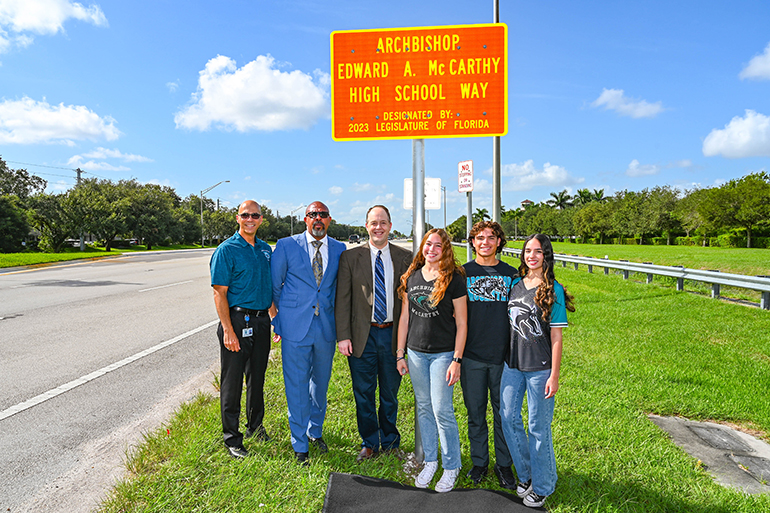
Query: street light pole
204, 191
443, 189
291, 217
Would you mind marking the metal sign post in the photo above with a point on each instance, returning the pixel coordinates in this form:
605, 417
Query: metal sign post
465, 184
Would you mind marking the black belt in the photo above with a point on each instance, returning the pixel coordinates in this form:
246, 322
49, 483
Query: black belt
255, 313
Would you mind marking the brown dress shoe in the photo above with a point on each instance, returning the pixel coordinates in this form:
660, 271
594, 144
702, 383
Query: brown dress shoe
365, 454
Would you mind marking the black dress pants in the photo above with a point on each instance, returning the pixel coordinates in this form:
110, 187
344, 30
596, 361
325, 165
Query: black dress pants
250, 361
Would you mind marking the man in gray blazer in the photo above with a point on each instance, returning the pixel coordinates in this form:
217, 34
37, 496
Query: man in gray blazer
367, 310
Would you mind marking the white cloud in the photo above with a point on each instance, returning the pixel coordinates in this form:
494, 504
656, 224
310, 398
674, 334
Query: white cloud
525, 176
27, 121
336, 190
614, 99
758, 67
257, 96
21, 18
636, 169
103, 154
172, 86
747, 136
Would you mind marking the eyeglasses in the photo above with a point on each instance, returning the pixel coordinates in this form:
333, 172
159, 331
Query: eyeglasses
253, 215
313, 215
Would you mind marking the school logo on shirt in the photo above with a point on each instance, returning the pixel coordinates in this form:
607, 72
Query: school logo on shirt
488, 288
419, 298
524, 320
267, 254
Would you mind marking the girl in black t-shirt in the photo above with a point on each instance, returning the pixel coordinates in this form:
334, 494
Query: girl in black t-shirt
433, 327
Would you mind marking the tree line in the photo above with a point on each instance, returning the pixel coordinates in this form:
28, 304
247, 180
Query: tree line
112, 212
736, 213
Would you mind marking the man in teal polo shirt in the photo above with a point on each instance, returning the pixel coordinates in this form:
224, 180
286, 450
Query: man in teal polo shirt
240, 277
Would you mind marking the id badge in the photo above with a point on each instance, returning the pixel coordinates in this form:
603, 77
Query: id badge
247, 332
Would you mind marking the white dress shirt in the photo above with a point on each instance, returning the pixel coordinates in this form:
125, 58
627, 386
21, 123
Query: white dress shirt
324, 249
387, 263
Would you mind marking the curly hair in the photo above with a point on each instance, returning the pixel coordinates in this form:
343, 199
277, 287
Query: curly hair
496, 229
448, 265
545, 296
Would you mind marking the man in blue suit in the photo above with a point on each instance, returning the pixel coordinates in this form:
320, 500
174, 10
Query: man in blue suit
304, 271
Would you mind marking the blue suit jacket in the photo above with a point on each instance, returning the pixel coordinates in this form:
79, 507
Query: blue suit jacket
296, 293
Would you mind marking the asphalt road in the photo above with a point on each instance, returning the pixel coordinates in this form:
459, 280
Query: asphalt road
64, 428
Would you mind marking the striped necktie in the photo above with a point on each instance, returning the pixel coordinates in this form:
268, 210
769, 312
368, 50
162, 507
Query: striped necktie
380, 299
318, 263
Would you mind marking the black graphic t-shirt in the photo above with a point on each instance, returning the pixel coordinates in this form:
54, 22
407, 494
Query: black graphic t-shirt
488, 327
432, 329
530, 346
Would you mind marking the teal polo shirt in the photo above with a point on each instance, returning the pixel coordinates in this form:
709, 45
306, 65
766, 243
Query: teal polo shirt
245, 270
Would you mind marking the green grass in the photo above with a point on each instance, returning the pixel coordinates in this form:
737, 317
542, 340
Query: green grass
631, 350
749, 261
34, 258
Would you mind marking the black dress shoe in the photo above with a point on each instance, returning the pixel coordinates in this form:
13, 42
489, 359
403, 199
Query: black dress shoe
259, 434
302, 458
320, 444
238, 452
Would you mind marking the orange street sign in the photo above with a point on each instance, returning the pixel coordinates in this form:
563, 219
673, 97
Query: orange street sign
420, 82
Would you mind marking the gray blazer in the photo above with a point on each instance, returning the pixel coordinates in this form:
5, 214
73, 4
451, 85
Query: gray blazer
355, 294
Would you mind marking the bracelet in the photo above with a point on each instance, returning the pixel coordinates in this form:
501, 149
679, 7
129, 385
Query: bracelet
397, 350
400, 358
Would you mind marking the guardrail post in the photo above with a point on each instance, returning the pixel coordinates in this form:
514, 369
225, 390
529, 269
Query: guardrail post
625, 271
606, 269
590, 268
576, 264
649, 275
563, 262
764, 303
714, 286
679, 281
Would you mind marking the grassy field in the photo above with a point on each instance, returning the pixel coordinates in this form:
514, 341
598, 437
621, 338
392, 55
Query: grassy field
631, 350
24, 259
749, 261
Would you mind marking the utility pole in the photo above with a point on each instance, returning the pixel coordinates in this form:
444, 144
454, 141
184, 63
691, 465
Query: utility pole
82, 239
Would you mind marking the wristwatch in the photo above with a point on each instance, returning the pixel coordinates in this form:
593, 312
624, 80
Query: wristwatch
458, 360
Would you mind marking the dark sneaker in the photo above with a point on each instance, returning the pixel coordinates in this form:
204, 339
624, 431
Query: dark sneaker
320, 444
505, 476
238, 452
534, 500
260, 434
476, 474
524, 489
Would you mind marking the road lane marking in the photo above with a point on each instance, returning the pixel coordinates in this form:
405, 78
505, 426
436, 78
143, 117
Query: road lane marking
13, 410
164, 286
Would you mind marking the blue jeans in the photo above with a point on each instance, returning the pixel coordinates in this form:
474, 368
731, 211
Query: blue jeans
435, 411
532, 451
376, 364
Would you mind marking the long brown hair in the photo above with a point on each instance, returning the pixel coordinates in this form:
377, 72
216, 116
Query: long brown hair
448, 265
545, 296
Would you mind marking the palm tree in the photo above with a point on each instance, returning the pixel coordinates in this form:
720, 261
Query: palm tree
560, 200
481, 214
583, 197
598, 195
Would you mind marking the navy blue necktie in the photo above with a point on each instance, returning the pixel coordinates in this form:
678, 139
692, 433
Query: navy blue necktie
380, 299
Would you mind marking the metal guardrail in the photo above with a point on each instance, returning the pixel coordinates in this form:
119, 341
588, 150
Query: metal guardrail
714, 278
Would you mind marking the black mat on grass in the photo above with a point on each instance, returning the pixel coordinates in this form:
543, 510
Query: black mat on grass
353, 493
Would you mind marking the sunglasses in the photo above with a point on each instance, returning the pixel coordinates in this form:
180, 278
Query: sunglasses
313, 215
253, 215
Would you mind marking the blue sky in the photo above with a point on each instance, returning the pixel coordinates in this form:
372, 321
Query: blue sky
612, 95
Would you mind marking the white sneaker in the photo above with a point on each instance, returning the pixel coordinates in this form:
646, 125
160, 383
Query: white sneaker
447, 481
426, 475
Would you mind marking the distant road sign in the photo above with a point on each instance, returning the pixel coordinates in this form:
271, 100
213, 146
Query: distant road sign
432, 193
465, 176
420, 82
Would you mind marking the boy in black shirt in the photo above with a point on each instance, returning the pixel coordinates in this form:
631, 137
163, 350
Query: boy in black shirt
488, 281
